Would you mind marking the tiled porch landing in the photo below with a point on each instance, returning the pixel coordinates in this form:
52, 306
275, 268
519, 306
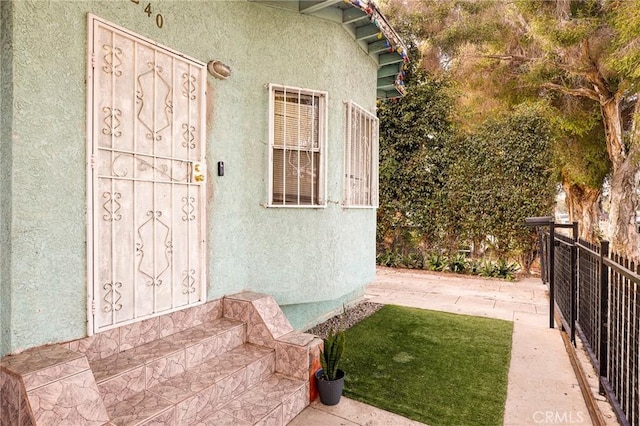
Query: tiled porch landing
234, 361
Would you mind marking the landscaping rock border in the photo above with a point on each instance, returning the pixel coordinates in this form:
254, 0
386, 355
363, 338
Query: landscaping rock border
346, 320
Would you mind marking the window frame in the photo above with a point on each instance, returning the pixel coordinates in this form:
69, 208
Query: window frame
322, 144
349, 140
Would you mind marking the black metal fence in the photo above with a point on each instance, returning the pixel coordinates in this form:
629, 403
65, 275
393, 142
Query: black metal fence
595, 293
565, 276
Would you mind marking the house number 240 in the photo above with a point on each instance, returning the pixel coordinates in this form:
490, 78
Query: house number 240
149, 12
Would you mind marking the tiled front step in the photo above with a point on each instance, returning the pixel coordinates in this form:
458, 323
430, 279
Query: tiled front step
197, 393
147, 365
274, 401
146, 374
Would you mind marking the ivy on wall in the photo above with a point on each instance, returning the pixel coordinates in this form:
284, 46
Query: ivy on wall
444, 191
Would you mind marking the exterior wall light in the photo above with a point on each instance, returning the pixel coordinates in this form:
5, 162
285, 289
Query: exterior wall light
218, 70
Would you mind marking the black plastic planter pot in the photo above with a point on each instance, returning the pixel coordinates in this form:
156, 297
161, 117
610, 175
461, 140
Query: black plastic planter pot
330, 390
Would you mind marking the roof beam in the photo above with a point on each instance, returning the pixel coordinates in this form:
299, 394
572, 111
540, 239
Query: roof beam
353, 14
386, 83
378, 46
312, 6
389, 58
389, 70
367, 31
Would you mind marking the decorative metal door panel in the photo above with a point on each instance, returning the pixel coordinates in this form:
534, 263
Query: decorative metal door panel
146, 171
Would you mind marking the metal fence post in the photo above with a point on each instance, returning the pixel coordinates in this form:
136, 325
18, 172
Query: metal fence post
547, 263
543, 255
574, 283
604, 315
552, 267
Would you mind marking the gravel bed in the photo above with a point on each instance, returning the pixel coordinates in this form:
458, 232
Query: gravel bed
345, 320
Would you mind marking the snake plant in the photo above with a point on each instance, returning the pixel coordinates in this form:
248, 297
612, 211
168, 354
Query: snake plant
330, 356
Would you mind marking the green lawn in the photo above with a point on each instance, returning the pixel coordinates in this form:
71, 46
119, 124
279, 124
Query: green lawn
433, 367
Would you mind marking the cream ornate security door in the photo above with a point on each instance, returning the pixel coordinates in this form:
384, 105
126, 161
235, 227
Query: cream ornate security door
146, 171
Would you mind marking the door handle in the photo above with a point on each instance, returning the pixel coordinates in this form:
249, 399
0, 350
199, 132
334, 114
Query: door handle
198, 172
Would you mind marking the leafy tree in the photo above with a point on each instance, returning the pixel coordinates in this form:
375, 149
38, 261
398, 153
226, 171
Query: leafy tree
580, 157
576, 56
585, 46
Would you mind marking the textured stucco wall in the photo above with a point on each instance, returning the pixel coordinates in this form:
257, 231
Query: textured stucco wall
310, 314
6, 107
298, 256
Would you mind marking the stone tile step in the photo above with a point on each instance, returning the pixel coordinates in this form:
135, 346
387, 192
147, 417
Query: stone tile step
141, 409
43, 366
274, 401
194, 394
163, 358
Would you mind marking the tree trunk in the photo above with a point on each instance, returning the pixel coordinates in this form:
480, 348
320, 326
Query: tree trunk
623, 232
624, 155
583, 204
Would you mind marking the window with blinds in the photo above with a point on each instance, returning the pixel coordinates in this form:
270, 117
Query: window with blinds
360, 157
297, 140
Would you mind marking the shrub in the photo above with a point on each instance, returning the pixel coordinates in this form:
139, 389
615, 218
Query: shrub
387, 258
436, 262
486, 269
506, 270
458, 263
474, 266
412, 260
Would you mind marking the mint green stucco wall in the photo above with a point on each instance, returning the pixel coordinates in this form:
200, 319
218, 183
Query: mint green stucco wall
305, 258
6, 66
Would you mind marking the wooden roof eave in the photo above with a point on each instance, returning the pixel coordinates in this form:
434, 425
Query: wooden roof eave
369, 28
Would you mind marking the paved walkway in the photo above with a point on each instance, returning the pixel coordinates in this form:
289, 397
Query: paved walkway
542, 387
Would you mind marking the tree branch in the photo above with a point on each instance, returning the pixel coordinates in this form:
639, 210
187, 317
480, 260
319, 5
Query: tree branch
580, 92
518, 58
635, 130
594, 76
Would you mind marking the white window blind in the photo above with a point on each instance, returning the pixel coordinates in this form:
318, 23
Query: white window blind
360, 157
297, 140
